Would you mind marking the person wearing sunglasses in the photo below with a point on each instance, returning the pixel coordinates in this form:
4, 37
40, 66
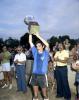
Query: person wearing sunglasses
20, 60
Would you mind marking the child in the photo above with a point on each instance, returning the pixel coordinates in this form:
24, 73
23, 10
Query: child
75, 67
51, 79
40, 67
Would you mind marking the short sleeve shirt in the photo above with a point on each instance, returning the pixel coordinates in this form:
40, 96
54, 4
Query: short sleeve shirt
61, 55
20, 57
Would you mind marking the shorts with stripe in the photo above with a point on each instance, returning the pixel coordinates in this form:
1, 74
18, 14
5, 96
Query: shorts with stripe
39, 80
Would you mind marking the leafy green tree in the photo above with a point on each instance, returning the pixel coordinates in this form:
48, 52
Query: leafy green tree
24, 40
11, 42
62, 38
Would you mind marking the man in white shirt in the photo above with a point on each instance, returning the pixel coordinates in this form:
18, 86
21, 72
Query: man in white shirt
19, 60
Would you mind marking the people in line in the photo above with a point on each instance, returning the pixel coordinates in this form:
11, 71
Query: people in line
40, 51
75, 67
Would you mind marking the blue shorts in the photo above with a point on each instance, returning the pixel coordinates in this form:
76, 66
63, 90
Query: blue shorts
39, 80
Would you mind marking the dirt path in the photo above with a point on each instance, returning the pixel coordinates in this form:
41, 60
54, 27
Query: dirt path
6, 94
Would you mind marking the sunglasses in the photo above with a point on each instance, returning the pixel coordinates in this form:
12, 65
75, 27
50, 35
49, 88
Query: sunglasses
18, 50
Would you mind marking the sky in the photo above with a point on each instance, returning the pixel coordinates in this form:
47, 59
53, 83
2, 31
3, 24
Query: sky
56, 17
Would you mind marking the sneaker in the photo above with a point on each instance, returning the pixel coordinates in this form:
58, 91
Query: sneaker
35, 98
5, 85
10, 87
46, 99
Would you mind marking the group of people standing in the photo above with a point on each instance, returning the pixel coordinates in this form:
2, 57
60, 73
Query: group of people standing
40, 52
39, 78
6, 69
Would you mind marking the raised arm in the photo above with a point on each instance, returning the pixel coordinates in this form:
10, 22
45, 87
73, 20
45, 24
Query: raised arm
44, 41
30, 40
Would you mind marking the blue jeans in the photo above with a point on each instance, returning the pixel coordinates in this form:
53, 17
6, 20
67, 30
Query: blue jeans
21, 79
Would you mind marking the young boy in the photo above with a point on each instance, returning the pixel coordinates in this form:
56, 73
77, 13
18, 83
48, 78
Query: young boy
40, 67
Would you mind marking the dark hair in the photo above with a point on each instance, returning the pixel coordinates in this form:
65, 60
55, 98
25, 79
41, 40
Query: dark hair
62, 44
75, 57
4, 46
40, 43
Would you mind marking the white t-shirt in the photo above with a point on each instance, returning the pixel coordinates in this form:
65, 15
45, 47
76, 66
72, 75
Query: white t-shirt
20, 57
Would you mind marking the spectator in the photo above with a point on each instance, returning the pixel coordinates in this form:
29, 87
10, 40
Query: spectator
6, 67
75, 67
61, 58
66, 44
29, 64
78, 50
1, 73
19, 60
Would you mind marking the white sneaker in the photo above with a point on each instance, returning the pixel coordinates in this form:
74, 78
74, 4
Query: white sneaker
5, 85
46, 99
10, 87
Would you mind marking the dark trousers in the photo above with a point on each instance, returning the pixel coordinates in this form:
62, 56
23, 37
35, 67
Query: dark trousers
63, 89
21, 80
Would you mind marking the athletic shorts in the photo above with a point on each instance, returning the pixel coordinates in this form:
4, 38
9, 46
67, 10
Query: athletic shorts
6, 67
39, 80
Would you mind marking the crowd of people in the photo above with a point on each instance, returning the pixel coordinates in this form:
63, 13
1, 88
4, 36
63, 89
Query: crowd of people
13, 64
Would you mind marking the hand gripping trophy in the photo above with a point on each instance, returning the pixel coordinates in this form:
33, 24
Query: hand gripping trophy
33, 26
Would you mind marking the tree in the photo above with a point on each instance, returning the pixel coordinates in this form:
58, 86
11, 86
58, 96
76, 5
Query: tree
11, 42
62, 38
53, 40
24, 40
1, 44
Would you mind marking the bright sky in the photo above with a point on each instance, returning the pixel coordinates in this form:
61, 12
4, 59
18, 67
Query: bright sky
56, 17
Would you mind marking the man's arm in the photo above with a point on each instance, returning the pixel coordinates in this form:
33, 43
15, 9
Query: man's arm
30, 40
44, 41
21, 62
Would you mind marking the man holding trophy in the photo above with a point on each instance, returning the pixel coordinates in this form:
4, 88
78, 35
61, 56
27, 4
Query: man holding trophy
40, 66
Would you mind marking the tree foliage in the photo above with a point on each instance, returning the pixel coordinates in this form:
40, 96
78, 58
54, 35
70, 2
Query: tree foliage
11, 42
24, 41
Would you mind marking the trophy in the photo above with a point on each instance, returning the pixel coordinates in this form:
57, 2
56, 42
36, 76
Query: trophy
33, 26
